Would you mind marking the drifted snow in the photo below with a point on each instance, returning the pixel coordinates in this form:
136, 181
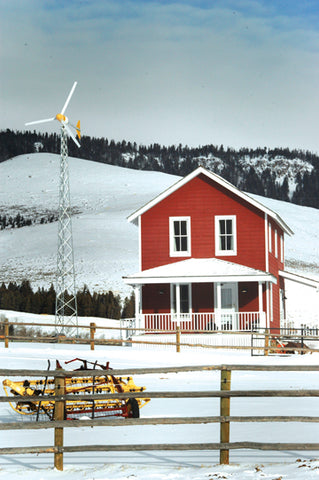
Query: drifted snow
176, 465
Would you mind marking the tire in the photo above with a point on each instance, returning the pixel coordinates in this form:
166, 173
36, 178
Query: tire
133, 408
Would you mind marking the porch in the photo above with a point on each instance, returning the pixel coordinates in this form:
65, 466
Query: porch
203, 295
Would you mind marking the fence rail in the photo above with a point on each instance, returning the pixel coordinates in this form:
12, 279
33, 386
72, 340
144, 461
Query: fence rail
224, 419
261, 340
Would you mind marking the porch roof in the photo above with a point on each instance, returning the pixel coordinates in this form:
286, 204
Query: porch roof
310, 282
199, 270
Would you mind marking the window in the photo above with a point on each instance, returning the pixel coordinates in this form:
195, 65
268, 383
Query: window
269, 235
276, 244
225, 235
179, 233
185, 298
281, 248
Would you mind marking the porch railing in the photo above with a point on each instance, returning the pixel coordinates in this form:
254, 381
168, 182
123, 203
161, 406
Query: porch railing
210, 321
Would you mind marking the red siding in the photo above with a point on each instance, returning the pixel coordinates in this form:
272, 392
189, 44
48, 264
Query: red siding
202, 199
275, 264
276, 307
248, 297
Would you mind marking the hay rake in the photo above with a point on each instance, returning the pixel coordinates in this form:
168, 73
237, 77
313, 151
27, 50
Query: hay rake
102, 382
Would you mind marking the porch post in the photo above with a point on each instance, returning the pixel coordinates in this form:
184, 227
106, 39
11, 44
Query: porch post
178, 304
262, 315
267, 305
218, 305
137, 293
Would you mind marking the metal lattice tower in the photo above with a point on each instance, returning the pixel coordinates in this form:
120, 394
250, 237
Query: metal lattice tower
66, 303
66, 315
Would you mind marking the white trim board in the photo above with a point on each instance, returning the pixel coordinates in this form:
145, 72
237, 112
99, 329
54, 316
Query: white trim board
299, 279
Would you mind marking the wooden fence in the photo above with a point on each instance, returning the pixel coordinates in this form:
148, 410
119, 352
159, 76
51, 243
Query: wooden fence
263, 340
224, 418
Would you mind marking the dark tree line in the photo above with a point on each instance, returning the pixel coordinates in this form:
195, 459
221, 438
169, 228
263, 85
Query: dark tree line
14, 222
180, 160
19, 220
22, 298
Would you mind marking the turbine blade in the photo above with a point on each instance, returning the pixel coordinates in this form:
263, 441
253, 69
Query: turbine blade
68, 129
45, 120
69, 98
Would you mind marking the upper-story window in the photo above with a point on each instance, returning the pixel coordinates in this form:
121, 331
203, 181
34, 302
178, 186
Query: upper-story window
281, 248
180, 236
225, 235
276, 244
270, 237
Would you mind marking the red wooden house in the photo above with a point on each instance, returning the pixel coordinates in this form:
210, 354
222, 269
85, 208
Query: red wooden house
210, 258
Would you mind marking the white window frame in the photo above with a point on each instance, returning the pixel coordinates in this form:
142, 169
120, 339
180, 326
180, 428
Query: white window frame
282, 248
276, 244
218, 251
172, 251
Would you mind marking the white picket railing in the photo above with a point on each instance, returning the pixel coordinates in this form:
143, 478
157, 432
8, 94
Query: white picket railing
210, 321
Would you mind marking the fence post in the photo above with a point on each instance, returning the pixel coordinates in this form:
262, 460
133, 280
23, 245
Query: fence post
92, 331
302, 342
267, 341
178, 338
6, 333
59, 409
225, 378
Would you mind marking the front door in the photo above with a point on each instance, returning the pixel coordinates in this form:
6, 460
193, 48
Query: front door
226, 305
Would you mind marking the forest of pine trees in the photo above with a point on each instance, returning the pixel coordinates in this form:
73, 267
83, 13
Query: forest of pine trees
22, 298
178, 160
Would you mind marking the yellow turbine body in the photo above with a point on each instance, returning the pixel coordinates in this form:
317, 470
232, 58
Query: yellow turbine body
64, 120
61, 118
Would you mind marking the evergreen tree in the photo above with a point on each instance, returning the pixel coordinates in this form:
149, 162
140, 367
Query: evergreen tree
129, 307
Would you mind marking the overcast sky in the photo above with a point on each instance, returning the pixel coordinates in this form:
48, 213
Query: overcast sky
196, 72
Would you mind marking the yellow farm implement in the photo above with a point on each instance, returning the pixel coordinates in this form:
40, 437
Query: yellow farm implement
101, 382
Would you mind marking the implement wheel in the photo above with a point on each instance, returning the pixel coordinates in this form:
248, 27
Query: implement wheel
133, 408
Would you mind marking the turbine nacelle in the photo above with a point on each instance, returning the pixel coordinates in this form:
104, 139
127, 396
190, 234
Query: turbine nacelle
61, 118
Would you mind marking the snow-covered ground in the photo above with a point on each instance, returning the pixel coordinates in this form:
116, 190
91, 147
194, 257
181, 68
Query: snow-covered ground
106, 327
105, 244
160, 465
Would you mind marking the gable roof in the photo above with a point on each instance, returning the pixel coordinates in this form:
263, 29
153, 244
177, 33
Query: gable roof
221, 181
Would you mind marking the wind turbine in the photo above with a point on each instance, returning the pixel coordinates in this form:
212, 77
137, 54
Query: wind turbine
66, 304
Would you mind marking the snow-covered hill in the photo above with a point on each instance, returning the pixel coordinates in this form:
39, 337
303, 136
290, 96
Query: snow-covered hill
105, 245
